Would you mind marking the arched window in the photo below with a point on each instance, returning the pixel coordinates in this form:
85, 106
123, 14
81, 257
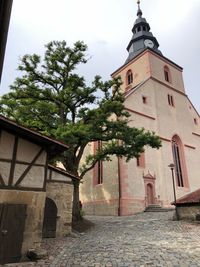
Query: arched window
179, 161
167, 74
129, 77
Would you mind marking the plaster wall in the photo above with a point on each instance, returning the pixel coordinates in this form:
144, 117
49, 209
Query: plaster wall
27, 151
157, 65
140, 68
25, 154
6, 145
101, 199
56, 176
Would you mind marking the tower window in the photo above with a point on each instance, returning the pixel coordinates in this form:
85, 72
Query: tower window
195, 121
129, 77
139, 29
144, 28
170, 100
167, 74
144, 99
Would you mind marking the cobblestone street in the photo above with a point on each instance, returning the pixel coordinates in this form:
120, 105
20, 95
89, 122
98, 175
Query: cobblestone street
146, 239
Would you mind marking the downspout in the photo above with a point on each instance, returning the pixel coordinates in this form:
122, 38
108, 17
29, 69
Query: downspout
119, 186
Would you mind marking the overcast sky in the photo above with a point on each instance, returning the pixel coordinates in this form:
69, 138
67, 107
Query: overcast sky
105, 26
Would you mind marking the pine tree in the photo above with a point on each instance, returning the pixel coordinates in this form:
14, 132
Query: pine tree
52, 98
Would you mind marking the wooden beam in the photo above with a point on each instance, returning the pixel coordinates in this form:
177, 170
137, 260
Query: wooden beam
14, 156
29, 167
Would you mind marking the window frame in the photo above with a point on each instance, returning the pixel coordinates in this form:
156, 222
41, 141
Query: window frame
179, 162
129, 77
167, 74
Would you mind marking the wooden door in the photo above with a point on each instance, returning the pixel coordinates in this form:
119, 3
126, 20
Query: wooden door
150, 195
50, 218
12, 223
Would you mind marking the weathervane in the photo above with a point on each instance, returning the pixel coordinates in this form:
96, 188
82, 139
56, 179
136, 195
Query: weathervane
139, 12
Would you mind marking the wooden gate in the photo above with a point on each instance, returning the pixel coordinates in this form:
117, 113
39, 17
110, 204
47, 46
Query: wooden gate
12, 223
50, 218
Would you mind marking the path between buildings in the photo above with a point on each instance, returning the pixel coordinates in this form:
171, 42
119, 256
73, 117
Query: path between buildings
146, 239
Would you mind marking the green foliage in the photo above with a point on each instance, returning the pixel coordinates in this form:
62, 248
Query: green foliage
51, 98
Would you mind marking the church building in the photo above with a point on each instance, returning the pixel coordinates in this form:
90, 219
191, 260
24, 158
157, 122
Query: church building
156, 99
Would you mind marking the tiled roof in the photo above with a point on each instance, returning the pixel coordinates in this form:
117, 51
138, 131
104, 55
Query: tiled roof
53, 146
193, 197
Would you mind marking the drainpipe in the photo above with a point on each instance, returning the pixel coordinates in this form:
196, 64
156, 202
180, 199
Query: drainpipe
119, 186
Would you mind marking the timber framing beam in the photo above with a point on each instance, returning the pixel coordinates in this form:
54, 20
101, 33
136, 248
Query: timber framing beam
5, 11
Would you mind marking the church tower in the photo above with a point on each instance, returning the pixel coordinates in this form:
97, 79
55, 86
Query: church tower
156, 100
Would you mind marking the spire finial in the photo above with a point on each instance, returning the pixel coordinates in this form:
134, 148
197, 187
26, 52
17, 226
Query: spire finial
139, 12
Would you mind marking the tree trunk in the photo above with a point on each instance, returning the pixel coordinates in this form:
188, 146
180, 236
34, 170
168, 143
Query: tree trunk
76, 215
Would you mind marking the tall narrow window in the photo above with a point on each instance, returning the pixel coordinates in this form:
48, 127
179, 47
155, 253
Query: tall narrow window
98, 168
144, 99
170, 100
179, 162
129, 77
167, 74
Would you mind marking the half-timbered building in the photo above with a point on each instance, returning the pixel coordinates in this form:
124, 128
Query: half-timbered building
35, 198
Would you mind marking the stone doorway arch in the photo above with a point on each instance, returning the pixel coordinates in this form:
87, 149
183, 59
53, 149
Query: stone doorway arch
50, 219
150, 194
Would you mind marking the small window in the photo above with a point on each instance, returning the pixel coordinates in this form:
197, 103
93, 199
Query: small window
170, 100
129, 77
195, 121
167, 74
140, 161
144, 28
139, 29
144, 100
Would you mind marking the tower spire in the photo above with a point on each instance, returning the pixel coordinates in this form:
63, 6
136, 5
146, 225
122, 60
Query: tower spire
142, 37
139, 12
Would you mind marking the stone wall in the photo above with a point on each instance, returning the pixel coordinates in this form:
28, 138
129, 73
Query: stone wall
35, 202
188, 212
61, 194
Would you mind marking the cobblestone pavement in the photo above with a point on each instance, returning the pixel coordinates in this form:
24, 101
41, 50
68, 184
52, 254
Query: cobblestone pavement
145, 239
